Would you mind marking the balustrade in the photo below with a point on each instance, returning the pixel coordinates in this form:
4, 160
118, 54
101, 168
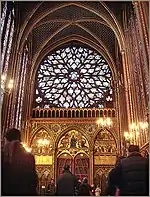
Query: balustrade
72, 113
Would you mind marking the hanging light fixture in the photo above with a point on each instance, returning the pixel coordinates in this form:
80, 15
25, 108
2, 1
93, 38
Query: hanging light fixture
43, 142
128, 136
143, 125
104, 122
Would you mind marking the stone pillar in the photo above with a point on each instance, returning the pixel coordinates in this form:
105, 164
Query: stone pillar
143, 18
127, 87
55, 164
4, 112
140, 10
91, 167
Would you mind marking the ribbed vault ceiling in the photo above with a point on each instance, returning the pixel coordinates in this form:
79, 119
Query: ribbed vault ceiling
49, 22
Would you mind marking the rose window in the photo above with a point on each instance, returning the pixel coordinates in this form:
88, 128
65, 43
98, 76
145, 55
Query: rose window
73, 77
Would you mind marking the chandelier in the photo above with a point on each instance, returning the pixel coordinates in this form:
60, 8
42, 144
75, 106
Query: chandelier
135, 129
43, 142
128, 136
104, 122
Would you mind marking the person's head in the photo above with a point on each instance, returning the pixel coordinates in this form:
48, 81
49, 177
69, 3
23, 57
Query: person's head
79, 181
133, 148
13, 134
92, 185
52, 181
66, 167
85, 180
78, 178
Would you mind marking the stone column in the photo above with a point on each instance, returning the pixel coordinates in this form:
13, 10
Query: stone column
91, 167
140, 10
127, 87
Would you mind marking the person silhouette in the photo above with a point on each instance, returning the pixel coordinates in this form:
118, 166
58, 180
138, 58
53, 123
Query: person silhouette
66, 183
19, 176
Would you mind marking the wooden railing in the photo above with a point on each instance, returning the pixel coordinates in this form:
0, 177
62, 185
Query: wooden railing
72, 113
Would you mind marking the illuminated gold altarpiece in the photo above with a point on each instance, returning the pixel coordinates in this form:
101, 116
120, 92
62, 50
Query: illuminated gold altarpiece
90, 150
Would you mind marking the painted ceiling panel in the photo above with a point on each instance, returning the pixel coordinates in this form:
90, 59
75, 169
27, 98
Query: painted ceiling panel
27, 8
42, 33
52, 16
72, 30
104, 33
69, 13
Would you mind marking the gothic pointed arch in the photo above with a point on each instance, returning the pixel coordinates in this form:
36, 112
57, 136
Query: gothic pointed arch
82, 166
108, 17
72, 142
65, 158
105, 143
35, 129
76, 38
73, 76
42, 143
73, 149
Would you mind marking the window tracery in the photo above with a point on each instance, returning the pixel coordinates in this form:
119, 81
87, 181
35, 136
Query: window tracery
7, 32
73, 77
3, 16
21, 79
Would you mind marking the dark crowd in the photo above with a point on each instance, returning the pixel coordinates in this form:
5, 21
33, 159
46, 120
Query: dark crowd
129, 177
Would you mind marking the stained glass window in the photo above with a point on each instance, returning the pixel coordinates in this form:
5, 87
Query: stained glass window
21, 80
14, 113
3, 16
7, 31
73, 77
8, 19
21, 95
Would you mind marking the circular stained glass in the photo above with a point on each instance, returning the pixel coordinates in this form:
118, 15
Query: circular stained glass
73, 77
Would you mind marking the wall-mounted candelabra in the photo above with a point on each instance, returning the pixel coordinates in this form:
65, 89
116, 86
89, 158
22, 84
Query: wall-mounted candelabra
137, 129
132, 136
6, 87
128, 136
